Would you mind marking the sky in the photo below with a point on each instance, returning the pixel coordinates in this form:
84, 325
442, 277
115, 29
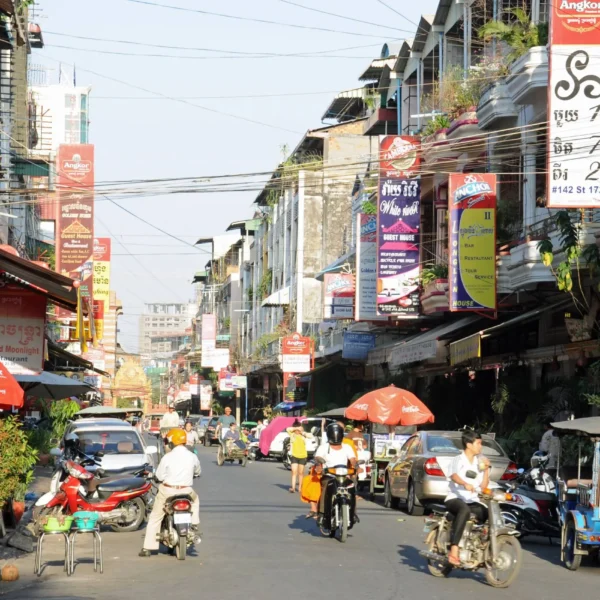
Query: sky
157, 137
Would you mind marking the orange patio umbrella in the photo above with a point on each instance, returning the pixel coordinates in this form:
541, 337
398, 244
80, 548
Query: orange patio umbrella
390, 406
11, 393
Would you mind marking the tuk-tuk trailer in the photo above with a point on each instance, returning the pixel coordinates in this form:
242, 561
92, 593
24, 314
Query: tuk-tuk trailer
579, 501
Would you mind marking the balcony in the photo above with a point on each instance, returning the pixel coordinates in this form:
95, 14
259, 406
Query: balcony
496, 109
383, 121
330, 343
528, 79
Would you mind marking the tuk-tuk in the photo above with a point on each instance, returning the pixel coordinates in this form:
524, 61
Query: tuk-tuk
579, 501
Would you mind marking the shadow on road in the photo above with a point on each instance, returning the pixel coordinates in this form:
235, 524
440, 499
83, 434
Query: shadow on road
541, 548
301, 523
409, 556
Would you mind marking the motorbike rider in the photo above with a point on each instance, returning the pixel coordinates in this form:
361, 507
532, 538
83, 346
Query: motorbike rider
333, 453
192, 436
169, 420
468, 473
176, 473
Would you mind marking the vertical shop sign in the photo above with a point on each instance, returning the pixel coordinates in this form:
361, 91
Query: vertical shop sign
75, 227
101, 282
366, 269
339, 296
472, 239
22, 322
208, 339
573, 179
398, 238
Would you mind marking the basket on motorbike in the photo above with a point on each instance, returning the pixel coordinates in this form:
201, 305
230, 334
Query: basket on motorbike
57, 524
86, 520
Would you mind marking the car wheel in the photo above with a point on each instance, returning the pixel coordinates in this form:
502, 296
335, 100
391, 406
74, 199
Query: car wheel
413, 506
388, 500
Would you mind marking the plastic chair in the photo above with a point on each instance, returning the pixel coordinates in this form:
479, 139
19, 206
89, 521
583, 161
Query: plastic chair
37, 565
98, 558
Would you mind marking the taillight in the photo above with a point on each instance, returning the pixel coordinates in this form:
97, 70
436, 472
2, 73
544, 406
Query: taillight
433, 468
182, 505
77, 471
510, 473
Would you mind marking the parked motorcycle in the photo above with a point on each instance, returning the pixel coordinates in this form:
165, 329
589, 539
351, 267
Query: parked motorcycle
342, 502
492, 546
122, 501
175, 530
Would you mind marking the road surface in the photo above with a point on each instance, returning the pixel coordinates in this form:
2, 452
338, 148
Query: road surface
257, 544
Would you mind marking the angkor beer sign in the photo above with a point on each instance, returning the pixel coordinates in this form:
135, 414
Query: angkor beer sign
574, 105
399, 156
296, 353
75, 226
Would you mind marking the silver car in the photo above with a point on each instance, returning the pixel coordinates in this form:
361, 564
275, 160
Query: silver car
419, 474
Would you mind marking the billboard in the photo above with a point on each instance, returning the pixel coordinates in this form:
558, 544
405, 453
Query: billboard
573, 179
101, 279
339, 296
398, 240
296, 354
472, 242
399, 156
206, 394
75, 225
356, 345
22, 322
366, 269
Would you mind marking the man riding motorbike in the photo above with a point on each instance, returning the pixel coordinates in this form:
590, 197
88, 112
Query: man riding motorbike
334, 453
176, 473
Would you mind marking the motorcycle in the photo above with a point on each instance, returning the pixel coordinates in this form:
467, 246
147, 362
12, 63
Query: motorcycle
343, 501
492, 546
175, 530
254, 453
122, 502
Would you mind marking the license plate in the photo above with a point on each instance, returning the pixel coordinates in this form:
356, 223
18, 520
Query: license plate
180, 519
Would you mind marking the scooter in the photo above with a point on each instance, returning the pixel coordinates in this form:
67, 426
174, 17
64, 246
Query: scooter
122, 502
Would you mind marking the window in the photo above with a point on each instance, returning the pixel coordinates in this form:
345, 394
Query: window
110, 442
83, 119
451, 444
70, 102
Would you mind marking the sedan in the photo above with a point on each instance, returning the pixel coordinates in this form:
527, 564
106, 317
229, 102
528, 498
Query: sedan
419, 474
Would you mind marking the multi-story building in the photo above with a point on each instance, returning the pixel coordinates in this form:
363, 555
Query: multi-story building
163, 318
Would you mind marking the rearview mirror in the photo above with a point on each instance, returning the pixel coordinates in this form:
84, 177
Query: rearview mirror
55, 452
150, 450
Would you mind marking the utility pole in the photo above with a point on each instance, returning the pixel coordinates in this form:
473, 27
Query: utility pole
238, 411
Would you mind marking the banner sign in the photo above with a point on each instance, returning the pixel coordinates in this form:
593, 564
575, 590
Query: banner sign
356, 346
209, 339
398, 237
101, 281
573, 106
75, 226
399, 156
339, 296
296, 354
206, 394
239, 382
366, 269
472, 242
465, 349
409, 353
22, 322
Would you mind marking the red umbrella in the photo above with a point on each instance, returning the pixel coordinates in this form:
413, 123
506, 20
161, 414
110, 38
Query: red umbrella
11, 393
390, 406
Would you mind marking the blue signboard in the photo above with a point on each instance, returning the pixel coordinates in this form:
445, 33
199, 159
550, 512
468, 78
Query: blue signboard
356, 346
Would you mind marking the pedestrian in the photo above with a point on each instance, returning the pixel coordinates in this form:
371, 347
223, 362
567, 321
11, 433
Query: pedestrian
260, 426
550, 443
310, 492
191, 435
356, 433
298, 453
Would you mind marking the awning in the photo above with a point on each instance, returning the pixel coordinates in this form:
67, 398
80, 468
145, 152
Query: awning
470, 347
336, 266
425, 345
280, 298
318, 369
288, 406
58, 352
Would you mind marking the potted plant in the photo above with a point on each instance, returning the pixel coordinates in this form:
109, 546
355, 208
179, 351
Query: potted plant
18, 460
436, 274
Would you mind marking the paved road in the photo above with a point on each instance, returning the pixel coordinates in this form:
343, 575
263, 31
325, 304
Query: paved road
258, 544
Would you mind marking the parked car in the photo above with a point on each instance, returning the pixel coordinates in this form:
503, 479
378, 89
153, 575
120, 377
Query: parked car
210, 437
120, 445
418, 475
280, 445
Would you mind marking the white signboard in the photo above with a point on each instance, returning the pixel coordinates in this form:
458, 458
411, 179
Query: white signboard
574, 128
295, 363
409, 353
366, 269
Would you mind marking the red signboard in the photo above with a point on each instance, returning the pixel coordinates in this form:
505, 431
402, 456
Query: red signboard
575, 22
22, 322
399, 156
296, 353
75, 225
339, 296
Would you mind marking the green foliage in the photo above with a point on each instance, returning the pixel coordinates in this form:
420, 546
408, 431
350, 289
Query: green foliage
520, 34
432, 272
61, 412
226, 323
250, 293
264, 287
436, 123
217, 409
40, 440
126, 402
369, 207
18, 460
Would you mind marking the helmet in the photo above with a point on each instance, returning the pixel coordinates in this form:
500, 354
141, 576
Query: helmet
335, 433
349, 427
539, 459
176, 437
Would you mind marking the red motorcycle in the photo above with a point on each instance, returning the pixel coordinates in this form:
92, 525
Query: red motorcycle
122, 502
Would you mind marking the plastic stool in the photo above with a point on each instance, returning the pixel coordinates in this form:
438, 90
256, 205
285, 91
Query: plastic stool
97, 547
37, 566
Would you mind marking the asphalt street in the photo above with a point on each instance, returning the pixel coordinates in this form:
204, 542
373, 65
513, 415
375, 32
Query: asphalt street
258, 544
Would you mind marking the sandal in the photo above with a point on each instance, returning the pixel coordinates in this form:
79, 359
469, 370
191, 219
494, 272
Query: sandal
291, 491
311, 515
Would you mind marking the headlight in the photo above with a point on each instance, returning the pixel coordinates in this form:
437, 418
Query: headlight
338, 471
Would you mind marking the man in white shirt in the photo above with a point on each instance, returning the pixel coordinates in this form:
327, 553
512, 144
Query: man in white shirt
333, 454
176, 473
550, 444
170, 419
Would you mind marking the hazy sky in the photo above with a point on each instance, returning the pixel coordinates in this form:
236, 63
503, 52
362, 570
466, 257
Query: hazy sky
155, 138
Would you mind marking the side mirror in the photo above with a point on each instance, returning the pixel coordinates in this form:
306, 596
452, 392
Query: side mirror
392, 452
150, 450
55, 452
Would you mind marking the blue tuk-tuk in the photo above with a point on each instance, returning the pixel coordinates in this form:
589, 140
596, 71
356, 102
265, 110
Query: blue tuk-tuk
579, 500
